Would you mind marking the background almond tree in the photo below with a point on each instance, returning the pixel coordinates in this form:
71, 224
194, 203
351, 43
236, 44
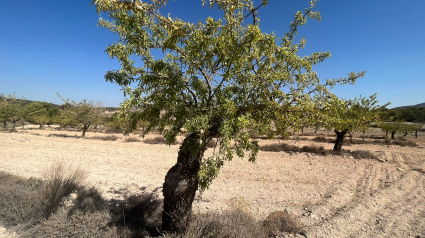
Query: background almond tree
217, 78
345, 116
86, 113
11, 109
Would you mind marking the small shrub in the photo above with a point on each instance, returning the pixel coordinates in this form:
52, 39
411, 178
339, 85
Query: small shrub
19, 200
405, 143
79, 224
320, 150
155, 140
131, 139
60, 182
279, 221
234, 223
363, 154
105, 138
89, 201
62, 135
320, 139
138, 213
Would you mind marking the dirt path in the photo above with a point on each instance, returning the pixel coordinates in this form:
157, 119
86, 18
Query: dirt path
333, 196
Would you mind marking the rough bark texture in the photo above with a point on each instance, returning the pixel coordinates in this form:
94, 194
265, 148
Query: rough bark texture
181, 183
339, 140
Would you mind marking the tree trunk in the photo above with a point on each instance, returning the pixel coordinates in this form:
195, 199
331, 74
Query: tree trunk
41, 126
392, 134
85, 128
416, 134
339, 140
181, 184
4, 124
386, 133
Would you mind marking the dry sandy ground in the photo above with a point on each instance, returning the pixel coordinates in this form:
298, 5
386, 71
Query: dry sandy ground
334, 196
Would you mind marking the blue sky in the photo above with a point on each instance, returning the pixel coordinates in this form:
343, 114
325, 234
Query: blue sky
51, 46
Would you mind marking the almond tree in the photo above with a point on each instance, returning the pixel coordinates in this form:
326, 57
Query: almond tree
11, 109
87, 113
217, 77
40, 113
344, 116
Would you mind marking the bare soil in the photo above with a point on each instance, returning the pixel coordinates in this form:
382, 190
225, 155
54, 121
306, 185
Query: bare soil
335, 196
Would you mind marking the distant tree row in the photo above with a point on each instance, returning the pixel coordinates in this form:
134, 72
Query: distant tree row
71, 113
408, 114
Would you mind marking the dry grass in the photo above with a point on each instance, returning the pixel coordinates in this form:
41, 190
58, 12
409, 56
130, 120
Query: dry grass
404, 143
61, 181
131, 139
78, 224
30, 201
104, 138
155, 140
62, 135
234, 223
278, 222
363, 154
21, 201
276, 147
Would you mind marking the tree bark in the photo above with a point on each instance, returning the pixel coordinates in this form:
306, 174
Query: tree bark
4, 124
416, 134
181, 184
339, 140
392, 134
85, 128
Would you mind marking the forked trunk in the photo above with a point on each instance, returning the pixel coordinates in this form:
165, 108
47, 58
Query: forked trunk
181, 184
339, 140
392, 134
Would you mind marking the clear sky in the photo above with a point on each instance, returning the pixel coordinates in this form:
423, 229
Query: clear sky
55, 46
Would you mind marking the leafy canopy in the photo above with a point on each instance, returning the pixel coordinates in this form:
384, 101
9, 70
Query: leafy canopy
348, 115
217, 77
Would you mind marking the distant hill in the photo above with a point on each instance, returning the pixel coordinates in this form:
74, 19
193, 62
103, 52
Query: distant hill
25, 102
417, 105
